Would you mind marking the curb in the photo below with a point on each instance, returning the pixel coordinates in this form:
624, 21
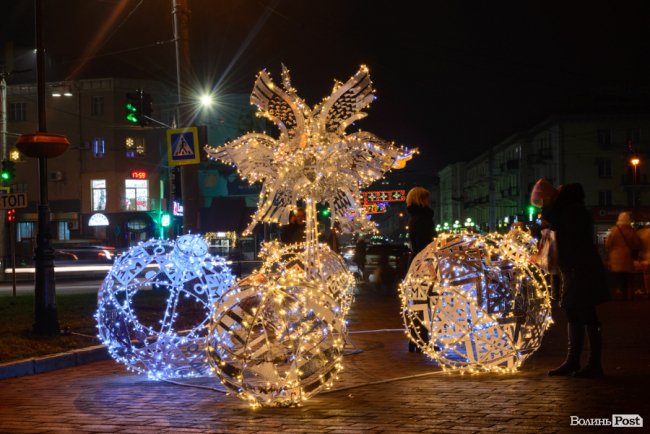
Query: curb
69, 359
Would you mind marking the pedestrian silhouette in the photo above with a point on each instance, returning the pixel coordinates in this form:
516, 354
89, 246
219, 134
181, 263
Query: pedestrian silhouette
421, 233
583, 274
623, 245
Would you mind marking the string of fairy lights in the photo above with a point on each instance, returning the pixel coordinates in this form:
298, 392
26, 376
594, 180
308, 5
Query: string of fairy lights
476, 303
187, 279
276, 337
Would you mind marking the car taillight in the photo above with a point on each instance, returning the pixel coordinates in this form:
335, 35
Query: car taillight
106, 254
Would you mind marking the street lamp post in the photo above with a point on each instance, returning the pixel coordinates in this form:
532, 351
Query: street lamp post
42, 145
635, 164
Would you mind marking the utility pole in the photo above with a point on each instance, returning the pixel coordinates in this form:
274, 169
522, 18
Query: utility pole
189, 173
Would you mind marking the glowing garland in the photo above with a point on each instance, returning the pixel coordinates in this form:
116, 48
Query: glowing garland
476, 303
276, 338
192, 281
313, 157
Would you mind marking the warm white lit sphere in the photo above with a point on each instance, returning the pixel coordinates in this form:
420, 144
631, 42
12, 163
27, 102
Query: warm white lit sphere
155, 303
476, 302
276, 338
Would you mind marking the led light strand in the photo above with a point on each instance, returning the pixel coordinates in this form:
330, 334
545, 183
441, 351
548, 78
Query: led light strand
476, 303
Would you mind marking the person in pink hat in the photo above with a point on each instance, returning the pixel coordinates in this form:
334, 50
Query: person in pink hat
584, 279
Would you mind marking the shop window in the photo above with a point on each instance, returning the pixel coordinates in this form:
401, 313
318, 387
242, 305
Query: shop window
136, 197
24, 231
63, 231
98, 188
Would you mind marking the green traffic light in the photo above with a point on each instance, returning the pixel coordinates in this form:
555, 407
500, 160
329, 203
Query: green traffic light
326, 212
132, 113
5, 176
165, 220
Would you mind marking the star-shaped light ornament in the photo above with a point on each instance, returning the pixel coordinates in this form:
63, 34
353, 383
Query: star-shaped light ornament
314, 158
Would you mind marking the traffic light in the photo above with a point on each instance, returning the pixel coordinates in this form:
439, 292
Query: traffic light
11, 215
165, 220
325, 212
138, 108
133, 108
8, 170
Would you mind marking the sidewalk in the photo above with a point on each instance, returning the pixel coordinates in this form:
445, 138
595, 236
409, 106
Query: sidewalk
104, 397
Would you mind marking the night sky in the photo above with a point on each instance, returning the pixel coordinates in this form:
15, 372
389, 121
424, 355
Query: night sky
453, 82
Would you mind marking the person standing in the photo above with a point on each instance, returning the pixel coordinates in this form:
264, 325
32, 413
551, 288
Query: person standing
359, 257
621, 244
294, 232
421, 229
584, 279
421, 233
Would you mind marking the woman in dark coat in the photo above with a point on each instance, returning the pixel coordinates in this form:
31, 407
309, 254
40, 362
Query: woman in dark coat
421, 230
584, 279
421, 233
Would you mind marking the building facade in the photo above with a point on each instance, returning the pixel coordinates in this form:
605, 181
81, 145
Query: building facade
594, 150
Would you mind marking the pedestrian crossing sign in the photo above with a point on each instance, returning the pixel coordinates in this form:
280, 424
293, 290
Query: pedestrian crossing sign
183, 146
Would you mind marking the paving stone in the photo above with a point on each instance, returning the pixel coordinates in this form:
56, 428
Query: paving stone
102, 396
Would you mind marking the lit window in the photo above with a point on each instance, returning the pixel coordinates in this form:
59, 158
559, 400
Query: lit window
99, 147
25, 231
135, 147
136, 196
63, 231
98, 187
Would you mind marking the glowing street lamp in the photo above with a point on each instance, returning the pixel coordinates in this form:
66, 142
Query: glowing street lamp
206, 100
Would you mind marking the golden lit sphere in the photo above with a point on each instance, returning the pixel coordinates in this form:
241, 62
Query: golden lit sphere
276, 338
476, 302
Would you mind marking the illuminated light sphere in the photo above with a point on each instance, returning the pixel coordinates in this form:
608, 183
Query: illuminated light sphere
477, 303
155, 304
276, 338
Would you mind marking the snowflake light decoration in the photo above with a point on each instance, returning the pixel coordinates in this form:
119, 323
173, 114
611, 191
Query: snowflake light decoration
180, 278
313, 157
276, 338
476, 302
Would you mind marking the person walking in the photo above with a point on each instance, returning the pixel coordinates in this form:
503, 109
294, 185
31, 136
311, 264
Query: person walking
421, 233
584, 282
622, 245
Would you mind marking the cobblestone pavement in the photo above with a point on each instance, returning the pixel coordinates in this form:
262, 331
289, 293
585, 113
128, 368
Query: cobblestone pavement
103, 397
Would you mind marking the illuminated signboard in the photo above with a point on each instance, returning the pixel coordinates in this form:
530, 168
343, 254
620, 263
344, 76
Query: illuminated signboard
138, 174
98, 219
384, 196
177, 209
375, 208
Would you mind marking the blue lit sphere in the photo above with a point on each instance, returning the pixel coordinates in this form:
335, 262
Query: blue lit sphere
477, 303
155, 304
276, 338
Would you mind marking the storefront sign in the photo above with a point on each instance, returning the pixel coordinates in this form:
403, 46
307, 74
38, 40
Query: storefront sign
98, 219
